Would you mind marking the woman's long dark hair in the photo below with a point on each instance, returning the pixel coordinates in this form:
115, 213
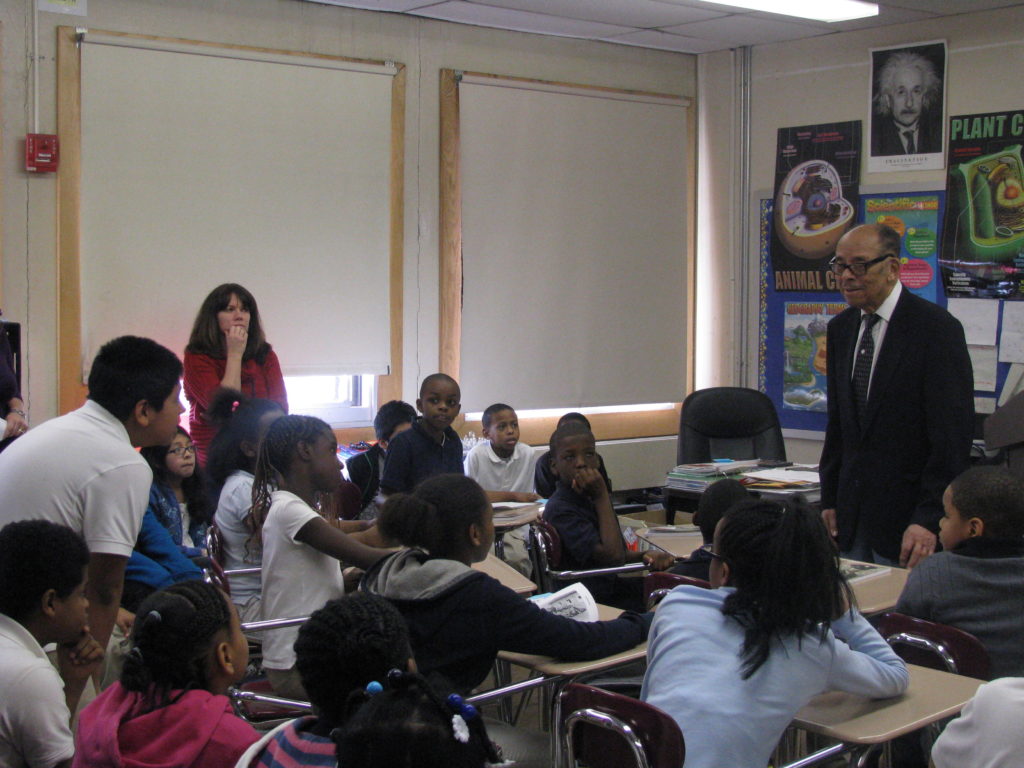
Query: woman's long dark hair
208, 339
193, 488
785, 569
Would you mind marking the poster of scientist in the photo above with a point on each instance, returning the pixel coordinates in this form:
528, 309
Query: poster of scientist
908, 89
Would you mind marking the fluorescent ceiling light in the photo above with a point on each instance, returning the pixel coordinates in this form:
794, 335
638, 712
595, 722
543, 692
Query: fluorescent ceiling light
819, 10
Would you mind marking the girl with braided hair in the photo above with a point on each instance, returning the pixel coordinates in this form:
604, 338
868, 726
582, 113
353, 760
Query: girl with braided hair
169, 709
348, 645
299, 457
734, 663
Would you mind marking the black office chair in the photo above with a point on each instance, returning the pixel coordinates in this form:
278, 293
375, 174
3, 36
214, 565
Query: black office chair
728, 423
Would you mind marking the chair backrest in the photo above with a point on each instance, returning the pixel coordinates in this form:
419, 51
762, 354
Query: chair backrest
545, 552
602, 729
728, 423
215, 544
933, 645
657, 584
213, 573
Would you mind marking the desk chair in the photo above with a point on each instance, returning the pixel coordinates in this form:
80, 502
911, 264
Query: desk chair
254, 701
728, 423
601, 729
215, 548
660, 583
937, 646
546, 556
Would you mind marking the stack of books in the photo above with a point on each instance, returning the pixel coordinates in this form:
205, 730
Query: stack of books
697, 477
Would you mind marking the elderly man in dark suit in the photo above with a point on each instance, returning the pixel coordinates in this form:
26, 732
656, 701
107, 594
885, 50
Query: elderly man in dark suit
900, 407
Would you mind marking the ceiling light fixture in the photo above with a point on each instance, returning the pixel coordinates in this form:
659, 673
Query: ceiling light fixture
819, 10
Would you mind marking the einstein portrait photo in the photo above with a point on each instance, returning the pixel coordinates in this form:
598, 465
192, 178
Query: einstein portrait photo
907, 101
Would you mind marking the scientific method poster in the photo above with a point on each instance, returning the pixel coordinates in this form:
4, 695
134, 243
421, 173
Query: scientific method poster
817, 172
916, 217
804, 380
983, 237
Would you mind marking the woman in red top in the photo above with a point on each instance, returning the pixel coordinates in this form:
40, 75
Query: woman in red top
227, 348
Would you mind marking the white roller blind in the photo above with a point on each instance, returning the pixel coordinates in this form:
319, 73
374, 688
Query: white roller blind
574, 247
200, 167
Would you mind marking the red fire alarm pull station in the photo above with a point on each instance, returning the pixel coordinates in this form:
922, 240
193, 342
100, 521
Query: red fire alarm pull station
41, 152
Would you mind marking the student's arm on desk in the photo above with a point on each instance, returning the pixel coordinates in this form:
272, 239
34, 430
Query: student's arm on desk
865, 664
521, 627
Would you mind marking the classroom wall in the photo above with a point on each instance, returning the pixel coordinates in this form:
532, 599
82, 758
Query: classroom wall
28, 288
826, 79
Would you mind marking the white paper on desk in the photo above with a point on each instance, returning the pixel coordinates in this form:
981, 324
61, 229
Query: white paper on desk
1011, 340
979, 319
983, 360
1013, 383
572, 602
783, 476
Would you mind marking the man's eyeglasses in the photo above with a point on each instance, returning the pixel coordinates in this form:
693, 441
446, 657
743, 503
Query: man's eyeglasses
858, 268
181, 450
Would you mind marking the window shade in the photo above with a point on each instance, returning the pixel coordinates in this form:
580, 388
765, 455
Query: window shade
205, 166
573, 246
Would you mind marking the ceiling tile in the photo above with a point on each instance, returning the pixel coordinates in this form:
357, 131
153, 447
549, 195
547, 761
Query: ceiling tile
744, 29
650, 38
952, 6
380, 5
521, 21
627, 13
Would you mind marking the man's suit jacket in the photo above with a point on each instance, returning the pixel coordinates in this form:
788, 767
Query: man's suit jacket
891, 469
885, 137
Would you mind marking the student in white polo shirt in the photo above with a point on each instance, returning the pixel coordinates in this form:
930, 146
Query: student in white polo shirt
42, 604
82, 470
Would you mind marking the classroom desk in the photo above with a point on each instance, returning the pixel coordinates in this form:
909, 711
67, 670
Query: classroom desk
874, 593
506, 574
507, 517
861, 722
680, 500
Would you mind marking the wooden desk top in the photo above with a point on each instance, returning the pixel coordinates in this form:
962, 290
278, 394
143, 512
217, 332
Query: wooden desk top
932, 696
554, 668
879, 593
497, 568
679, 543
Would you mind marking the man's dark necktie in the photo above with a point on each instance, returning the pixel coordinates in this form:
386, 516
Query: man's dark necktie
862, 365
909, 136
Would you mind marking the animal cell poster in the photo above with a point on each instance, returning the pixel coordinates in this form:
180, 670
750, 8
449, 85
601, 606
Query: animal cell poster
804, 382
817, 173
983, 239
916, 217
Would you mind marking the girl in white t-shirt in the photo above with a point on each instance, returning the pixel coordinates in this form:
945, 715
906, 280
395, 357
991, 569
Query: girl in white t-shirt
301, 549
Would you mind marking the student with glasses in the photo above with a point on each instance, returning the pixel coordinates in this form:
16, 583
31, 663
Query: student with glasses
900, 407
179, 498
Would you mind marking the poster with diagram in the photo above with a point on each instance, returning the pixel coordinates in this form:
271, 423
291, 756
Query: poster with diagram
804, 381
916, 217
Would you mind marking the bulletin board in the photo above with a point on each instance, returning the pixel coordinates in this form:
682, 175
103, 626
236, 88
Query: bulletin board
791, 324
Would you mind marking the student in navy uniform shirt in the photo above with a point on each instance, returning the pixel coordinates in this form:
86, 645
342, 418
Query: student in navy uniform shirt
430, 447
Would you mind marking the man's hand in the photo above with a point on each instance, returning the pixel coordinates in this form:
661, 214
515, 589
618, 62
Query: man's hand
588, 482
829, 518
918, 543
658, 560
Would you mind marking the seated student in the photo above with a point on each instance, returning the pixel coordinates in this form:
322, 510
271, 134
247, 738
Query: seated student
581, 511
169, 707
155, 564
987, 734
459, 618
733, 664
41, 604
82, 470
178, 496
301, 549
544, 475
365, 468
430, 447
977, 583
408, 724
714, 502
241, 423
504, 468
345, 647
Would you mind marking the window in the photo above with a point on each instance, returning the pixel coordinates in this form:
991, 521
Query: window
341, 401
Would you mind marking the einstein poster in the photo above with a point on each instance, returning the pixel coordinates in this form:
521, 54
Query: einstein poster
908, 86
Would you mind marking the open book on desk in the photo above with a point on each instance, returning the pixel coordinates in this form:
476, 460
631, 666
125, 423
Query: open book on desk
571, 602
781, 479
